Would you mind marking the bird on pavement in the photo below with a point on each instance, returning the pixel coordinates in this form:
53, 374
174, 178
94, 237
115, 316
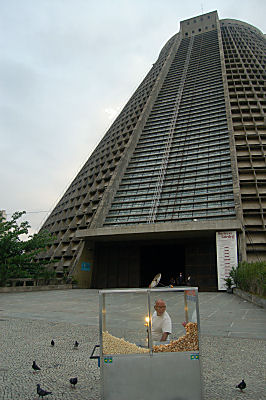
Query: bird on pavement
52, 343
76, 345
35, 367
73, 381
242, 385
41, 392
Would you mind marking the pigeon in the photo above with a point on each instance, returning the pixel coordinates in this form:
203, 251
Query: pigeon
242, 385
73, 381
35, 367
52, 343
76, 345
41, 392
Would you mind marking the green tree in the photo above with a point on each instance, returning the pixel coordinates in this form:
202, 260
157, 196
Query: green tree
19, 258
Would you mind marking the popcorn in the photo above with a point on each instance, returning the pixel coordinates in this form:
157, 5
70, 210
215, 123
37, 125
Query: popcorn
188, 342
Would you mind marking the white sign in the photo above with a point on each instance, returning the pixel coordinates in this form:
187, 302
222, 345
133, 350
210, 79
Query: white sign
226, 246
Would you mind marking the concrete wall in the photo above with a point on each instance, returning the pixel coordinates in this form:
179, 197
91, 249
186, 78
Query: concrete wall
82, 275
252, 298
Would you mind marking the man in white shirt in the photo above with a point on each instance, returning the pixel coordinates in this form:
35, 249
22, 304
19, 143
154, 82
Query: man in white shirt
161, 322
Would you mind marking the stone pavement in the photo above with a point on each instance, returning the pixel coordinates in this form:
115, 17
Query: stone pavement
233, 345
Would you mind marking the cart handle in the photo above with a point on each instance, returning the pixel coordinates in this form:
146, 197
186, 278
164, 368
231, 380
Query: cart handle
95, 357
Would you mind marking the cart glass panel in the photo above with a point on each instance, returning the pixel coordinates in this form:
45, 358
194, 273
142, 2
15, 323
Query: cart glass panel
124, 328
130, 322
180, 309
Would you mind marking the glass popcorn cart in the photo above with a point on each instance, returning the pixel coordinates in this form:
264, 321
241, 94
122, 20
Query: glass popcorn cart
135, 366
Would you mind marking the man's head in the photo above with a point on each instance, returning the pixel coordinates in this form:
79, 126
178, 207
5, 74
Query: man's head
160, 307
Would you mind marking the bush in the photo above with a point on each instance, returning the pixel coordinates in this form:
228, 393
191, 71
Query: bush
229, 282
250, 277
47, 275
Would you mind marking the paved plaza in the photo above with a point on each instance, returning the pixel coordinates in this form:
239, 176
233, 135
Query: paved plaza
233, 338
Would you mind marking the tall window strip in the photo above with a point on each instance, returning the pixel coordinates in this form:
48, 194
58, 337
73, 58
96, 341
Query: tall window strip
197, 179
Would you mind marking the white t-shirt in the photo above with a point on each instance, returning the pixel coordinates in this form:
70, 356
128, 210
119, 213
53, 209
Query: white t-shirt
160, 324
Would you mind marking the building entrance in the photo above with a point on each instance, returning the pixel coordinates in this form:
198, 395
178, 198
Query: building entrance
134, 264
167, 259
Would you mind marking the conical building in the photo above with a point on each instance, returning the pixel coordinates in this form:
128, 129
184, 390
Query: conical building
177, 183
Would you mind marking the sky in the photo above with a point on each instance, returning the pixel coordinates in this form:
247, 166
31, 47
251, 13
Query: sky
67, 68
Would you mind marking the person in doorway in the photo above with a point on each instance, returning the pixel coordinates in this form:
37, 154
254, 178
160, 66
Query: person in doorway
180, 279
188, 280
161, 322
172, 282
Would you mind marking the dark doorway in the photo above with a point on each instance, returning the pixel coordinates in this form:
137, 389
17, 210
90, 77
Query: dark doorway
166, 259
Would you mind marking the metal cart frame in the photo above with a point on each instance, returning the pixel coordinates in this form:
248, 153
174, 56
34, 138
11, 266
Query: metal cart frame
156, 376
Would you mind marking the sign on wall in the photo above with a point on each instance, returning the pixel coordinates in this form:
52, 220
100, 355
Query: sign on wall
226, 248
85, 266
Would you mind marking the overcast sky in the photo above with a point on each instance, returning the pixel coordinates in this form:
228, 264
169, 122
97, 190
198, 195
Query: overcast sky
67, 67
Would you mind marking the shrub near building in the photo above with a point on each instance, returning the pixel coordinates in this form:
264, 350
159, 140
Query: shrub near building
250, 277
